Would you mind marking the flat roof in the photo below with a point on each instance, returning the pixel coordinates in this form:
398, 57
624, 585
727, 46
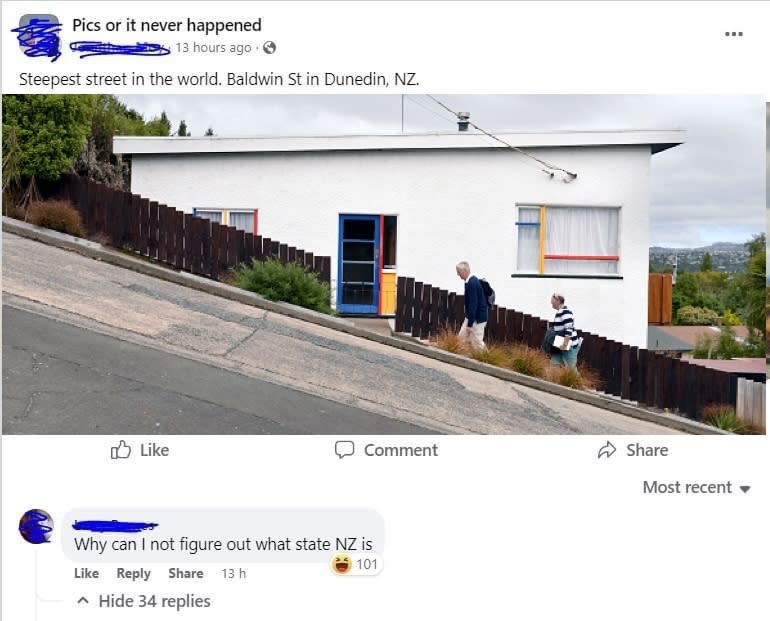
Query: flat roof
659, 140
756, 366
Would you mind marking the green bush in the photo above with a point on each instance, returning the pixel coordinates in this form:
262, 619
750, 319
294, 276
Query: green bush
290, 283
729, 318
57, 215
696, 316
725, 347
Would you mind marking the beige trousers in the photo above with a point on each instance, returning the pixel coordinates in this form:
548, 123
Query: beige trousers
474, 335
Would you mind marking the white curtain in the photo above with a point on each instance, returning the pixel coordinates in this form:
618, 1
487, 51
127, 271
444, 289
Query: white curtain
581, 231
243, 221
529, 241
214, 216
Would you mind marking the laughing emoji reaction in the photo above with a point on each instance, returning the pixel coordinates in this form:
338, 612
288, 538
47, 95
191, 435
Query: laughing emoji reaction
341, 564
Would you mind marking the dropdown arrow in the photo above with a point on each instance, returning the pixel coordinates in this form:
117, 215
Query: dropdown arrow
745, 488
83, 600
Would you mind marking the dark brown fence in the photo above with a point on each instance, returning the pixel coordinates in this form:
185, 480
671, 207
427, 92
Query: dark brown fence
629, 372
179, 239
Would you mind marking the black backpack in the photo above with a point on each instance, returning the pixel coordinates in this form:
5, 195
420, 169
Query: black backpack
489, 292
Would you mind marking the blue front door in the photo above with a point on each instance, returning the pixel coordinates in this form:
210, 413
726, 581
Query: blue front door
358, 267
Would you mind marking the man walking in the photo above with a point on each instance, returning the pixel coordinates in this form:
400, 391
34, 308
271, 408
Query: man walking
564, 325
476, 310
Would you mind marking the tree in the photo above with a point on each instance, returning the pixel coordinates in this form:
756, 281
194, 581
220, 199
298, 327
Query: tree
182, 131
109, 118
756, 282
209, 132
747, 293
50, 129
158, 126
685, 292
707, 263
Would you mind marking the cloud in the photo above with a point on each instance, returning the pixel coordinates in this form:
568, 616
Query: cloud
713, 185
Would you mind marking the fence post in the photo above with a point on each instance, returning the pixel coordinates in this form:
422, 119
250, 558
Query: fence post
459, 307
205, 228
443, 310
152, 238
400, 303
416, 306
625, 372
409, 305
433, 325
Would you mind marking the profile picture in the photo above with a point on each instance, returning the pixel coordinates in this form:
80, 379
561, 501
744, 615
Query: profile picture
36, 526
38, 35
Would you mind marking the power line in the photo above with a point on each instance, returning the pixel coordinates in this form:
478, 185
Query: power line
552, 167
442, 117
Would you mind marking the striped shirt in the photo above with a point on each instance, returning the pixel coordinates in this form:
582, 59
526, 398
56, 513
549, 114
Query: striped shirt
564, 325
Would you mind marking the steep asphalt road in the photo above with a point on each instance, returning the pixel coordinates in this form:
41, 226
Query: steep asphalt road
93, 348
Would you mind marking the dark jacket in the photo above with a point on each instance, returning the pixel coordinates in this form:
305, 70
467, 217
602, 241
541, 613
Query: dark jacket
476, 309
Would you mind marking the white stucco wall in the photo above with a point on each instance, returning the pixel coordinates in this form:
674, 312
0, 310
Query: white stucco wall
452, 204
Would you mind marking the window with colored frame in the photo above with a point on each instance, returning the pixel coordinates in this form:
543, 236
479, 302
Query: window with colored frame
568, 240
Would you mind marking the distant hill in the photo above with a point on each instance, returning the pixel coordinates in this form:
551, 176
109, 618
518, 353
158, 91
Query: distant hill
726, 257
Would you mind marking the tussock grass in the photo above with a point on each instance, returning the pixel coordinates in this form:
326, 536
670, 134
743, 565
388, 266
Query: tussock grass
581, 379
450, 341
492, 355
527, 361
722, 416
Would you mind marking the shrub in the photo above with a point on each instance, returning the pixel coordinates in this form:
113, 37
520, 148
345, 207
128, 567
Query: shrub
493, 355
528, 361
724, 346
450, 341
696, 316
729, 318
290, 282
723, 417
57, 215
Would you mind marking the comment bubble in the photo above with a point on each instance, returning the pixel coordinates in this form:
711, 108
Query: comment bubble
209, 536
344, 448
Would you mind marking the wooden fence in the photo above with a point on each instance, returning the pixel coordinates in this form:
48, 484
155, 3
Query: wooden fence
179, 239
750, 405
632, 373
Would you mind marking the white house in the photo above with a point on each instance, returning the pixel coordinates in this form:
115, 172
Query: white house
415, 205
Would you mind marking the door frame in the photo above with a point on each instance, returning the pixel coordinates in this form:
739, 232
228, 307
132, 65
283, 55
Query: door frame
360, 309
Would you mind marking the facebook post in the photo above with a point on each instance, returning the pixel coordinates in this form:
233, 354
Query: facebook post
414, 309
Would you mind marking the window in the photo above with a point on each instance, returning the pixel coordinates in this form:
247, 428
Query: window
568, 240
215, 215
243, 220
389, 241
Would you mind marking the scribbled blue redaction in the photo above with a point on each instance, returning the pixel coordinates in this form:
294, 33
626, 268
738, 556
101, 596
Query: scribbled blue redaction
113, 526
97, 48
33, 526
40, 37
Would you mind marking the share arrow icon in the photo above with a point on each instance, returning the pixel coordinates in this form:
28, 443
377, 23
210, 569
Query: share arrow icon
745, 488
607, 450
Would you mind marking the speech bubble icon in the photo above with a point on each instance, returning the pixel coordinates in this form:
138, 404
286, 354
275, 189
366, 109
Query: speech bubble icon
344, 448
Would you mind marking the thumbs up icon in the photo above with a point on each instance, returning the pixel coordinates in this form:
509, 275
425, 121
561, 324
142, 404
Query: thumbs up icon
121, 451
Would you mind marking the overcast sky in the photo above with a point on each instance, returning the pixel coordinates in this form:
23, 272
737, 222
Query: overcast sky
712, 188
